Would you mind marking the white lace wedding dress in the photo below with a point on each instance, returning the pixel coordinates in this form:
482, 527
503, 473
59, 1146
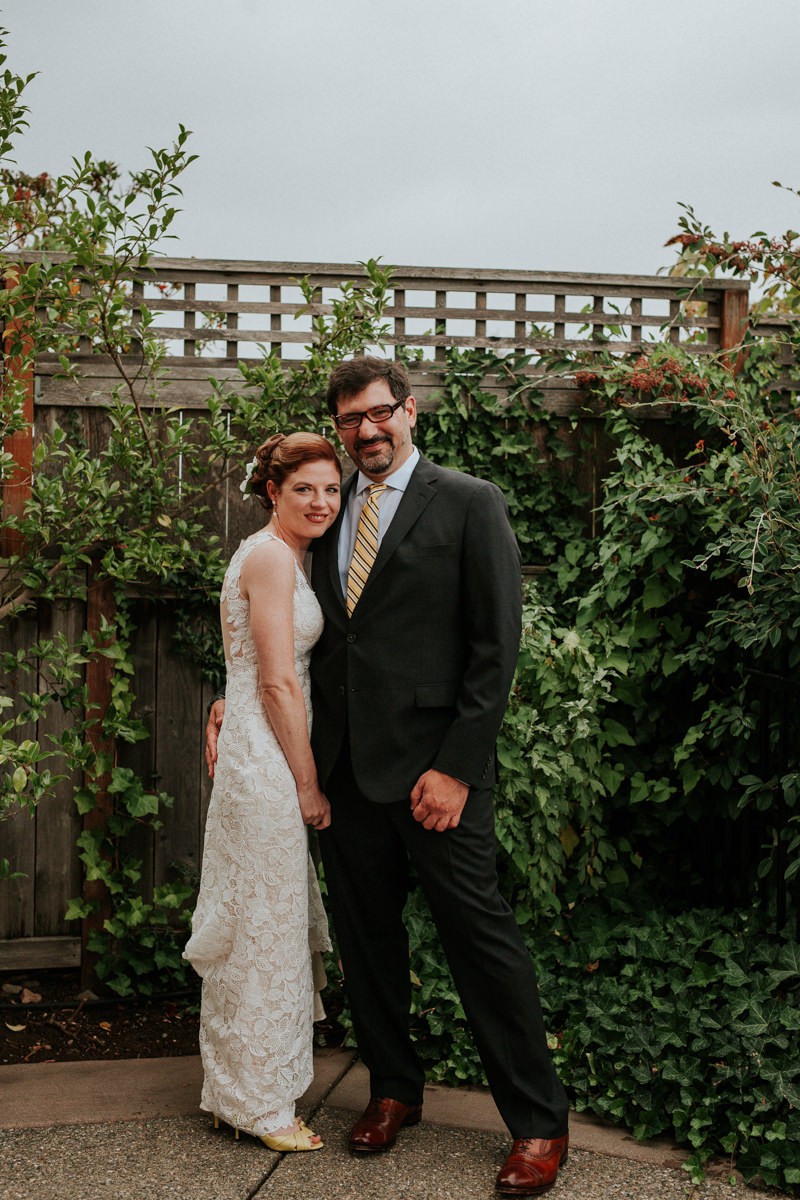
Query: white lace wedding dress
259, 914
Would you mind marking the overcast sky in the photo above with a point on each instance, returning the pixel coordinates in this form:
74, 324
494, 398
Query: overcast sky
534, 134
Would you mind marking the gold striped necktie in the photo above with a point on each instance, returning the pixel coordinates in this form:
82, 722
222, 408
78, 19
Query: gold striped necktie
365, 550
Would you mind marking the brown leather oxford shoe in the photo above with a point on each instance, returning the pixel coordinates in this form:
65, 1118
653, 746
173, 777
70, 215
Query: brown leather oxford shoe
532, 1166
377, 1128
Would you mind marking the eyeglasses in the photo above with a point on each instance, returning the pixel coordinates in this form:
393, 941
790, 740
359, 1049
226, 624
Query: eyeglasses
377, 415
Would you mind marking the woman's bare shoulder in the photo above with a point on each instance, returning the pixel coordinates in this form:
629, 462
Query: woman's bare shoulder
268, 559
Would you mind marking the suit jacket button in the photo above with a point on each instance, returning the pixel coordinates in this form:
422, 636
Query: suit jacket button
351, 637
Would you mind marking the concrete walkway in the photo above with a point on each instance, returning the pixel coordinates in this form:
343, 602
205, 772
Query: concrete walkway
131, 1129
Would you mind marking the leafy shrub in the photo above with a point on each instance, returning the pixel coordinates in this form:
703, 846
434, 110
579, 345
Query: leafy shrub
694, 579
559, 767
648, 758
684, 1025
490, 421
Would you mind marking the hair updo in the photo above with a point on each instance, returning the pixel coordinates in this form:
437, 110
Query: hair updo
283, 454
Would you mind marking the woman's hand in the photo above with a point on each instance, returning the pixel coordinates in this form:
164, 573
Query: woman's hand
314, 807
215, 717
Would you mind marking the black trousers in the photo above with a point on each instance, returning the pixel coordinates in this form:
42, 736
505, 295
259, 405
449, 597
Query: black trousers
366, 853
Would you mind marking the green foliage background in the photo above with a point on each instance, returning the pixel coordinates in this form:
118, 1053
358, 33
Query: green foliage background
647, 813
650, 751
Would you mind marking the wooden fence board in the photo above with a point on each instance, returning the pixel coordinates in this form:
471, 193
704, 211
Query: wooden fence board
57, 875
141, 757
179, 736
18, 828
18, 845
36, 953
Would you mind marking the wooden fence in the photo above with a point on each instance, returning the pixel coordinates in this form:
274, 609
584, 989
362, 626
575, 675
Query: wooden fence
211, 315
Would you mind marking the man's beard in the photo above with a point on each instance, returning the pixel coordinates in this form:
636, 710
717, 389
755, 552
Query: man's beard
375, 457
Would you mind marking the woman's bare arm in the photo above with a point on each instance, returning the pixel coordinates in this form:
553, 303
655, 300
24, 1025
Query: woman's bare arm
267, 580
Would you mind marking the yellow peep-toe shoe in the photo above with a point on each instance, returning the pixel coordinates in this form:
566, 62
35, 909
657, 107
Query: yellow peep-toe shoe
288, 1142
283, 1143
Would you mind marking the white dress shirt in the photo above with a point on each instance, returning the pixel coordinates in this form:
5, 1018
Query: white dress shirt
387, 503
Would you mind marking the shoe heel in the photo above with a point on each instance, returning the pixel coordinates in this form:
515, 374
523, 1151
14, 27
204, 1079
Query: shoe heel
235, 1128
413, 1119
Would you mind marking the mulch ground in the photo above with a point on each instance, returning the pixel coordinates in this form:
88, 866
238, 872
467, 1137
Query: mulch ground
43, 1019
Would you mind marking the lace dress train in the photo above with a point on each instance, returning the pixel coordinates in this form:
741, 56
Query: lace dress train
259, 913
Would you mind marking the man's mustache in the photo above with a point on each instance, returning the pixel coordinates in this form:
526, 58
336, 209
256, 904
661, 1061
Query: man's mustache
376, 441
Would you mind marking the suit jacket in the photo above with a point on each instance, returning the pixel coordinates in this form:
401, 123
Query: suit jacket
419, 676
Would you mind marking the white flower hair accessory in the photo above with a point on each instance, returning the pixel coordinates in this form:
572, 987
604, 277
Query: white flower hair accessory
245, 486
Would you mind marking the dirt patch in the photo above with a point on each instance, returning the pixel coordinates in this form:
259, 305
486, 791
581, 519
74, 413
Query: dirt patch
42, 1019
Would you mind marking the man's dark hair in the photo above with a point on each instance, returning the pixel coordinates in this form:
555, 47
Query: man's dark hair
351, 377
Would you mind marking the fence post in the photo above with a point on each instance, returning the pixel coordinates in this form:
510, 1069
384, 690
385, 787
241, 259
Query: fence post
100, 603
733, 315
17, 368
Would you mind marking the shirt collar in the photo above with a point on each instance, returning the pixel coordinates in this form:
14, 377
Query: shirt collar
398, 479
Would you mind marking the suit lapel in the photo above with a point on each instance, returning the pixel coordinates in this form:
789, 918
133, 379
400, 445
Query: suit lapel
419, 493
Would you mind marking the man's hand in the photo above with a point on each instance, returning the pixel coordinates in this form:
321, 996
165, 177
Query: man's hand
215, 716
437, 800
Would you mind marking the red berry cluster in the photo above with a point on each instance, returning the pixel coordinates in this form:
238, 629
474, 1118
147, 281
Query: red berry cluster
26, 187
775, 256
667, 380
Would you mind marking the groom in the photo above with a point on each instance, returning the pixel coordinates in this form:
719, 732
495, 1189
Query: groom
419, 581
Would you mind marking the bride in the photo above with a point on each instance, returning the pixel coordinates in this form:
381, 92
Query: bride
259, 915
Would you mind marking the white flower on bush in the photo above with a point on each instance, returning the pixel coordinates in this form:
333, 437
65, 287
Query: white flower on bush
244, 486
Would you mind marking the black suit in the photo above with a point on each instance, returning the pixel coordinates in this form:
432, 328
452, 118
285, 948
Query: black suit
419, 678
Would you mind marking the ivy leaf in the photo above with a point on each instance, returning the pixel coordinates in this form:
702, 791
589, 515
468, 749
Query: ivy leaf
784, 1082
616, 734
757, 1024
655, 594
569, 840
787, 964
84, 800
142, 805
77, 910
